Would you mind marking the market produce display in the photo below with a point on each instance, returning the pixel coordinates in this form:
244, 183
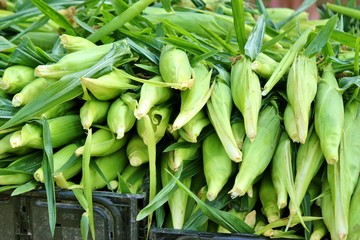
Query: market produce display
232, 117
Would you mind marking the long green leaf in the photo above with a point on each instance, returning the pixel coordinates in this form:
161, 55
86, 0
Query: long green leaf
347, 11
24, 188
54, 15
254, 42
239, 23
67, 88
48, 166
87, 183
321, 38
225, 219
120, 20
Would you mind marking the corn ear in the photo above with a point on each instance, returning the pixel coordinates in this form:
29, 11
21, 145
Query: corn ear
160, 117
65, 108
192, 129
238, 129
268, 198
354, 217
151, 96
108, 86
186, 152
217, 165
240, 214
319, 230
264, 65
178, 199
15, 179
93, 112
137, 151
7, 149
15, 78
63, 130
120, 117
283, 154
75, 43
60, 158
194, 99
258, 154
30, 91
327, 208
73, 62
219, 108
301, 91
290, 124
103, 143
309, 159
329, 115
134, 178
174, 66
246, 94
109, 165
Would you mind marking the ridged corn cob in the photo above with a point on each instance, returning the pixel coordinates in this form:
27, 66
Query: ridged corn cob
175, 68
60, 158
93, 112
354, 217
109, 165
30, 91
192, 129
219, 108
137, 151
63, 130
309, 159
151, 96
329, 115
268, 198
187, 153
246, 94
108, 86
258, 154
120, 117
75, 43
15, 78
178, 199
103, 143
74, 62
194, 99
218, 167
301, 90
160, 117
134, 178
282, 155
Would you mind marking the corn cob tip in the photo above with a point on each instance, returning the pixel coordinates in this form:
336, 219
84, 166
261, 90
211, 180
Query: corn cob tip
236, 192
135, 161
211, 195
120, 132
281, 205
79, 151
39, 175
16, 100
332, 160
4, 85
273, 218
16, 140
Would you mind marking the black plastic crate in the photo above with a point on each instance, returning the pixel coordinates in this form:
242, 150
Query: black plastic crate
26, 216
174, 234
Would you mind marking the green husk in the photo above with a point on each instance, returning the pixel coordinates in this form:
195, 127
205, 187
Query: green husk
93, 112
258, 154
15, 78
137, 151
192, 129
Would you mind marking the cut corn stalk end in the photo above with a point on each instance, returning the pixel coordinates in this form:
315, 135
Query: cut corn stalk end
16, 100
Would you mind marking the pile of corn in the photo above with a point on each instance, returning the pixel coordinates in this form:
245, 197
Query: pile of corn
240, 119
